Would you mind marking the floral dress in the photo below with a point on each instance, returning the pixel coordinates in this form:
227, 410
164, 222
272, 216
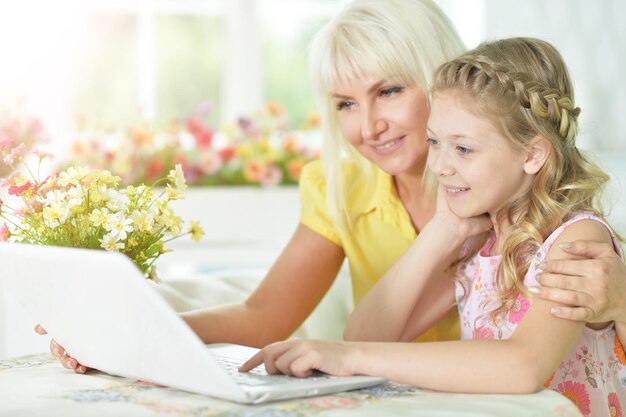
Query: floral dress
593, 375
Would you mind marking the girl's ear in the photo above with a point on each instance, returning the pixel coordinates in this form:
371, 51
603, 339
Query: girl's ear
537, 153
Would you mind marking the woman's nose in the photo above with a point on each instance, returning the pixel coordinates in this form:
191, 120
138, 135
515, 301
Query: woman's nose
372, 124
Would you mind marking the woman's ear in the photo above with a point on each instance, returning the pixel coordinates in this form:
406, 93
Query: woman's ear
537, 153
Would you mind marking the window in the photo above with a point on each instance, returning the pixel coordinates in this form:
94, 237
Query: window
110, 63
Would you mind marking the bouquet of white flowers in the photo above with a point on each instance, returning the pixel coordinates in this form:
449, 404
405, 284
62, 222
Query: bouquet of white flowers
85, 208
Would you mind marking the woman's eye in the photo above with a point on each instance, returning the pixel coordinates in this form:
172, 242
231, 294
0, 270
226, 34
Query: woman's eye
390, 91
463, 150
345, 105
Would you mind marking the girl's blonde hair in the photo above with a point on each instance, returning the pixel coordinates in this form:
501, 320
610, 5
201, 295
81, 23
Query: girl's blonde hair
397, 40
522, 86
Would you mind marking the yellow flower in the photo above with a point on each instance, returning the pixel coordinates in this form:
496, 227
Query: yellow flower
173, 193
152, 274
111, 242
143, 221
196, 231
99, 217
176, 225
73, 176
54, 215
264, 146
176, 178
245, 151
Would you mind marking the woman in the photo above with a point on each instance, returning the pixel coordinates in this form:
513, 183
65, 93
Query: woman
367, 199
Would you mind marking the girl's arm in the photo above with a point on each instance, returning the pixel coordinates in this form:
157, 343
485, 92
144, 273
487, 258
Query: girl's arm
415, 279
521, 364
416, 292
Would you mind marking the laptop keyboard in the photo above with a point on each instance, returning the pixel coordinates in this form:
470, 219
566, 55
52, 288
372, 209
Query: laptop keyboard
259, 376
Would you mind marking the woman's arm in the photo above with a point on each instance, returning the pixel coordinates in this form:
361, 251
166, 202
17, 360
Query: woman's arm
293, 287
593, 289
521, 364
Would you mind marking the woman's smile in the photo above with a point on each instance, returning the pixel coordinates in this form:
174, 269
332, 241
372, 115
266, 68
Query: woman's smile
388, 147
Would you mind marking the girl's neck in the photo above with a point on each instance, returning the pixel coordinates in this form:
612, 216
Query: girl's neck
501, 231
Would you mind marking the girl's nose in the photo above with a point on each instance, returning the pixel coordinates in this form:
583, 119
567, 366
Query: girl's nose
438, 163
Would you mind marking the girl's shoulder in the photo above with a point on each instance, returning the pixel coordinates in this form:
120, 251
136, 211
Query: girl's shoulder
580, 226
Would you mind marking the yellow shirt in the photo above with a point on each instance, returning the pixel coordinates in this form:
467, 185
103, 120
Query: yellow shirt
380, 233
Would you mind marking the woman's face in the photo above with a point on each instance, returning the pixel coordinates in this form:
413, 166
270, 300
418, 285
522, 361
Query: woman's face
385, 122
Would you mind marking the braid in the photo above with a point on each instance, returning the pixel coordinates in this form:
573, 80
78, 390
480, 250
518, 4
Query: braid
479, 73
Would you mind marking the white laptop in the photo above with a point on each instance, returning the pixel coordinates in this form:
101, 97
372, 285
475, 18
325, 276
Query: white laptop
99, 307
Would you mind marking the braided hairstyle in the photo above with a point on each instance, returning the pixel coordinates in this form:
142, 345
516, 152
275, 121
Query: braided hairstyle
522, 86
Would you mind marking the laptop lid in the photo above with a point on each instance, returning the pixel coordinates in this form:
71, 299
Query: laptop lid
99, 306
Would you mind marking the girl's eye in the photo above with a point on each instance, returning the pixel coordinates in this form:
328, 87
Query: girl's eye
432, 142
390, 91
345, 105
463, 150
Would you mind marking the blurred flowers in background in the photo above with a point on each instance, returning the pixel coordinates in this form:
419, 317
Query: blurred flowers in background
19, 131
259, 149
85, 208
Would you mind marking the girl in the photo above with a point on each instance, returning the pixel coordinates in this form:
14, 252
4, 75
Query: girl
502, 133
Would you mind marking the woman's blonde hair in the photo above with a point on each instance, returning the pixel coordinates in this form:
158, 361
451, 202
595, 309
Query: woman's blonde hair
522, 86
397, 40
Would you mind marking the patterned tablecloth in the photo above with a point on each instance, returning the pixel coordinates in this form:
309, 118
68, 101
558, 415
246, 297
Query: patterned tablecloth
37, 386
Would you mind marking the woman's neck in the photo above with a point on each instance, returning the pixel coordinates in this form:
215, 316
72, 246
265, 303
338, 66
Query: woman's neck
412, 193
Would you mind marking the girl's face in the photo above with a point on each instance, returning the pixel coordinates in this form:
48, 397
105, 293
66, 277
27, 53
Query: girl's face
480, 170
385, 122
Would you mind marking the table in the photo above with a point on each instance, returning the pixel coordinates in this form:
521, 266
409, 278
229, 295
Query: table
38, 386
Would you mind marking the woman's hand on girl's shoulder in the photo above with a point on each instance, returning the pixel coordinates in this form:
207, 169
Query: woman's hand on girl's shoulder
592, 289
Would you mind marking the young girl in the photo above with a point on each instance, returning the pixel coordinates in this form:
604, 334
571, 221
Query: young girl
502, 132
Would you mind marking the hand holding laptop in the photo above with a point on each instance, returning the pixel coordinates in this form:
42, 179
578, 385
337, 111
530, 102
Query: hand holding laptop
57, 351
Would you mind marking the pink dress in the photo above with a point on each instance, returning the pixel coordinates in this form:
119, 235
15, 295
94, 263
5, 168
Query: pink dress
593, 375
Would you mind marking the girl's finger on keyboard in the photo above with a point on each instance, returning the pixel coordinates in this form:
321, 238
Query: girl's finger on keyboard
253, 362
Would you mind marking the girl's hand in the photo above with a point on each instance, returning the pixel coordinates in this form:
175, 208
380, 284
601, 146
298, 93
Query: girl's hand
60, 353
461, 227
593, 288
301, 357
